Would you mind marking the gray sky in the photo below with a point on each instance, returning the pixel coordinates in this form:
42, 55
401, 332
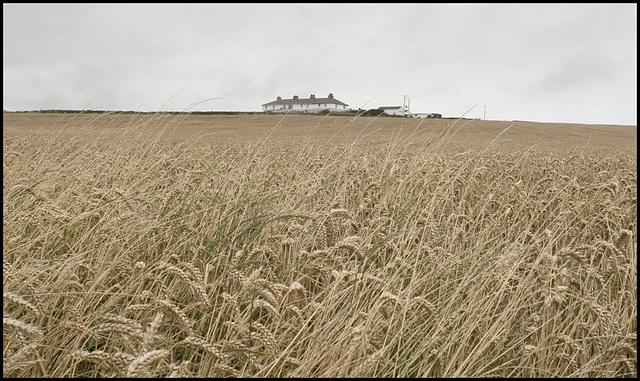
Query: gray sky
540, 62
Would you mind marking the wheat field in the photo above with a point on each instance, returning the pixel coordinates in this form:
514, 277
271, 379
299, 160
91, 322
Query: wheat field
164, 245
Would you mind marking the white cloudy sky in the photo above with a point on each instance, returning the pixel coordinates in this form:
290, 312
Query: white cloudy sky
560, 63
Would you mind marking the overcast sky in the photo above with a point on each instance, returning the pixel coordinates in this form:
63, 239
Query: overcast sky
545, 62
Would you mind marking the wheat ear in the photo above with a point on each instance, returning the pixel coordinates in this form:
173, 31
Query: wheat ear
21, 327
145, 361
9, 296
200, 343
118, 360
264, 336
368, 363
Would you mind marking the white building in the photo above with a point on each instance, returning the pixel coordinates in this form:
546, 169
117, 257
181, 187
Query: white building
395, 110
425, 115
398, 110
311, 105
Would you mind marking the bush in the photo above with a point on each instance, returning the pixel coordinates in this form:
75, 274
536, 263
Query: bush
373, 112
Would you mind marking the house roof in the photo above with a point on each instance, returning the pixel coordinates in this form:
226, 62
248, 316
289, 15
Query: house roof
305, 101
389, 107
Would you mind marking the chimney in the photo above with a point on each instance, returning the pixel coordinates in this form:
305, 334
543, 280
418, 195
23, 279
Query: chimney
330, 95
279, 98
313, 96
295, 97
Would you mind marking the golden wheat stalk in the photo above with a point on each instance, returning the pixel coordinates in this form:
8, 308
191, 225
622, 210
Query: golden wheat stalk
144, 361
7, 275
195, 285
269, 297
202, 344
179, 370
175, 311
22, 327
366, 365
11, 297
229, 369
122, 320
261, 303
118, 360
17, 360
264, 335
81, 328
127, 329
423, 303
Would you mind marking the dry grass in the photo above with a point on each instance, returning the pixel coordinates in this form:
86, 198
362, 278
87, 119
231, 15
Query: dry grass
307, 246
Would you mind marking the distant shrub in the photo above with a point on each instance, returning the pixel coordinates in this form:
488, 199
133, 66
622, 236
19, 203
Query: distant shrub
373, 112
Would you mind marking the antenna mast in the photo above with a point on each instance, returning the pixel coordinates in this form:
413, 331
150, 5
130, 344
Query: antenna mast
406, 101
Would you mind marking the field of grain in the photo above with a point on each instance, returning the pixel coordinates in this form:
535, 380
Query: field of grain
163, 245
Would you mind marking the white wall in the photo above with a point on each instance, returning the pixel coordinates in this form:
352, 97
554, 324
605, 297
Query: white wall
273, 108
314, 107
394, 111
